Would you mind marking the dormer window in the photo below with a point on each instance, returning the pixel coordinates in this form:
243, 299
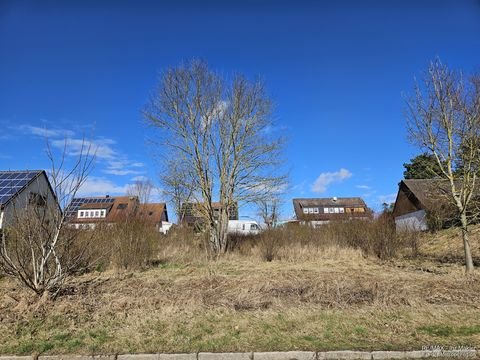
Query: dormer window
122, 206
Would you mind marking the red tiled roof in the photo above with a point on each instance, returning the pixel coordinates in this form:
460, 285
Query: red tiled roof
152, 213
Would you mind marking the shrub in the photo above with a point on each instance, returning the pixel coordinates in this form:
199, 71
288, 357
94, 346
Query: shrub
134, 244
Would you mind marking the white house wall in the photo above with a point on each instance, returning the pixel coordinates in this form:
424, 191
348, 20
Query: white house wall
415, 221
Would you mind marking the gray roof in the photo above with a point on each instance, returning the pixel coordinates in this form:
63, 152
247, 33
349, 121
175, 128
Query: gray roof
346, 202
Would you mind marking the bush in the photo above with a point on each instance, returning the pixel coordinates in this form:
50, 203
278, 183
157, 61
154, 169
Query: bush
134, 243
375, 238
38, 255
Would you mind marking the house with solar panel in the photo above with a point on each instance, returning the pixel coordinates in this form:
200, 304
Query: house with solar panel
90, 212
320, 211
21, 190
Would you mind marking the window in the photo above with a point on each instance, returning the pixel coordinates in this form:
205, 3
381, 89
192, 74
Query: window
103, 213
253, 227
92, 213
331, 210
305, 210
342, 210
81, 214
310, 210
37, 199
315, 210
97, 213
337, 210
87, 214
122, 206
325, 210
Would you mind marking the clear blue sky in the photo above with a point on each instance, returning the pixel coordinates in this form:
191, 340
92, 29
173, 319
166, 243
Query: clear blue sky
335, 69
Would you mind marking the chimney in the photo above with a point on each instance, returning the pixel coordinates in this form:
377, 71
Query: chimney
334, 198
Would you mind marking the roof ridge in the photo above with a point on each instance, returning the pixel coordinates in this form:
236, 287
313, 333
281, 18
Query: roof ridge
25, 170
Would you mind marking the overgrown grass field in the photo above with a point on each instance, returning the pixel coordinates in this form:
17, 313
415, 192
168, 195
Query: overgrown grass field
312, 295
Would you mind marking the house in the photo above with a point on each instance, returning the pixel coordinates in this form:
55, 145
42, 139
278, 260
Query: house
89, 212
23, 190
319, 211
191, 215
156, 215
420, 201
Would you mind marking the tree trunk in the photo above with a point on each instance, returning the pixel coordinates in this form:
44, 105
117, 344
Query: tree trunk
223, 230
466, 245
214, 239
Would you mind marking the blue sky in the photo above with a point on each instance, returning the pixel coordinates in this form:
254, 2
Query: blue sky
335, 70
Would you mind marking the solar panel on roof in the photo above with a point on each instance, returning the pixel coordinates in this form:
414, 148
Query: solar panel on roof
77, 202
11, 182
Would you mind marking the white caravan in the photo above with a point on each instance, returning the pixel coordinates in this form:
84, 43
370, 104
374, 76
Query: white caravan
243, 227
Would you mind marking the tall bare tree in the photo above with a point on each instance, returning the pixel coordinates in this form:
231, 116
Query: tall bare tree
141, 189
36, 248
219, 132
443, 118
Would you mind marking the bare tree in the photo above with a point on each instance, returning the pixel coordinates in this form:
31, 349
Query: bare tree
36, 248
220, 131
443, 117
269, 210
175, 185
141, 189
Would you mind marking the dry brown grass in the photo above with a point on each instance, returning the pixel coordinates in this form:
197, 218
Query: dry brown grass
447, 245
310, 296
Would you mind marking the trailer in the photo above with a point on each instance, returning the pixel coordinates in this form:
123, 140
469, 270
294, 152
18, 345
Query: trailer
243, 227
